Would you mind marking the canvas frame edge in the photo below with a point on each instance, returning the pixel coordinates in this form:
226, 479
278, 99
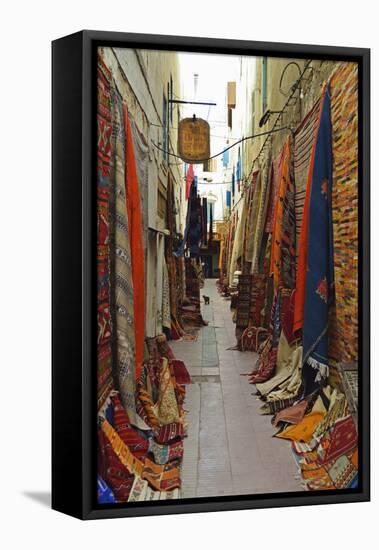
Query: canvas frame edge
82, 282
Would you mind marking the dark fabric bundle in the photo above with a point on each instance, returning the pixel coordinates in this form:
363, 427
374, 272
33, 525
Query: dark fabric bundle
243, 300
194, 233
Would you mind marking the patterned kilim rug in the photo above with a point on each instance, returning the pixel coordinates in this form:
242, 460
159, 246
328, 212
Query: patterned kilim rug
243, 300
257, 300
344, 113
302, 156
123, 290
104, 332
260, 216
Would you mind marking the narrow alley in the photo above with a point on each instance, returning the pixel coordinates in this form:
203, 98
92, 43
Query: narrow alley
229, 449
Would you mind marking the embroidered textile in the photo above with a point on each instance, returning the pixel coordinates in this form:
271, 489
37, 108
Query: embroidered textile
141, 492
319, 289
104, 321
303, 146
288, 362
133, 203
238, 239
123, 288
137, 444
262, 202
287, 319
243, 300
337, 409
122, 451
111, 469
340, 439
162, 477
165, 434
287, 262
291, 386
141, 151
269, 351
253, 198
341, 473
282, 264
257, 300
274, 184
252, 338
267, 364
304, 188
166, 453
166, 408
344, 113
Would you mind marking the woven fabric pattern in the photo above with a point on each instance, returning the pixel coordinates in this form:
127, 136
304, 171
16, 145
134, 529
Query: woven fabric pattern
344, 113
303, 142
124, 298
104, 321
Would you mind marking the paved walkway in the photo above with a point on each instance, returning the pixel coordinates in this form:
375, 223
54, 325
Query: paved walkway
229, 449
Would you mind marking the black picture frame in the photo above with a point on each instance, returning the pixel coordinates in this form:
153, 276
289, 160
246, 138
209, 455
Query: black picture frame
74, 273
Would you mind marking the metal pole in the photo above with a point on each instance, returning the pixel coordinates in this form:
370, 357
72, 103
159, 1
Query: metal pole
190, 102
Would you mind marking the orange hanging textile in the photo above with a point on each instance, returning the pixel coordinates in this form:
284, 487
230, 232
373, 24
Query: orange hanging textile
133, 204
284, 176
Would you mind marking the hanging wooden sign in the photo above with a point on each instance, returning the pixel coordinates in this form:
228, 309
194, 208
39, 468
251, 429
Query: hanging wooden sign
194, 140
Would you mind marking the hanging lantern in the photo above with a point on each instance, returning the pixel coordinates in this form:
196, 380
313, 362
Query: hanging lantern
194, 140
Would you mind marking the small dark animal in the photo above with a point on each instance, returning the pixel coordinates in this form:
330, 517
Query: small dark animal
206, 300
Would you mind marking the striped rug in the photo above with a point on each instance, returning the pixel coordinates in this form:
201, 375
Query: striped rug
104, 321
303, 141
344, 113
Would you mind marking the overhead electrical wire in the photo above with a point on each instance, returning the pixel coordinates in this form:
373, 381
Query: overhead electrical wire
176, 128
273, 130
227, 148
294, 88
269, 133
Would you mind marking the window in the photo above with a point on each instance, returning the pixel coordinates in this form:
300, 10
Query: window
264, 85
